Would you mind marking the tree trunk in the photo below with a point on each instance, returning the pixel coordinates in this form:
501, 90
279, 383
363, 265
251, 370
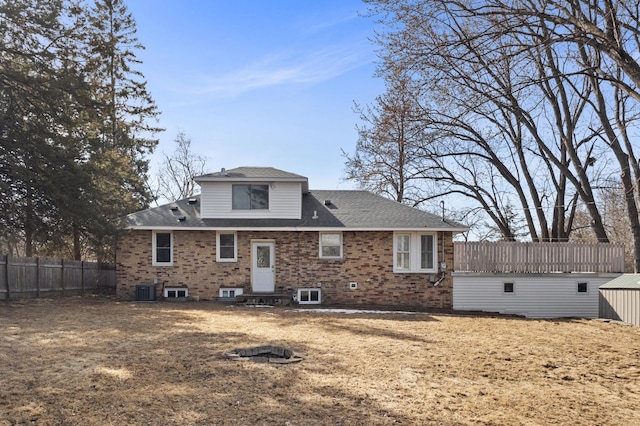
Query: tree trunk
77, 252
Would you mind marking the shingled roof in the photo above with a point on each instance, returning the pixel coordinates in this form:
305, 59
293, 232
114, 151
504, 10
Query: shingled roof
321, 210
248, 174
625, 281
251, 173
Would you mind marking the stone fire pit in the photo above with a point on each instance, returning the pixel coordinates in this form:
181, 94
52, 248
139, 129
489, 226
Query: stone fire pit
270, 354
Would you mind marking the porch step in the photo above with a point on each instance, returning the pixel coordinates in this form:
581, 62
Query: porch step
270, 299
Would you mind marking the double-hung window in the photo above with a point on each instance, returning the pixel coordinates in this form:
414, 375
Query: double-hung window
162, 248
427, 257
331, 245
414, 252
227, 247
403, 252
250, 197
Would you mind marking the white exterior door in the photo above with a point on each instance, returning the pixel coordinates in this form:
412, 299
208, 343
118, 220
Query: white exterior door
263, 270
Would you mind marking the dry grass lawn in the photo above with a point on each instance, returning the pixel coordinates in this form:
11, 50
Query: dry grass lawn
96, 361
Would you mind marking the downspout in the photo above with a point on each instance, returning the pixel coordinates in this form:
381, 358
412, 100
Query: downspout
442, 262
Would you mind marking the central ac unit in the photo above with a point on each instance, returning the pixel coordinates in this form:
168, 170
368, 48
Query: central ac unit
145, 293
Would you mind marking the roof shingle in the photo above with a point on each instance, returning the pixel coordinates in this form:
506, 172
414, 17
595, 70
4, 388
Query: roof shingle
346, 210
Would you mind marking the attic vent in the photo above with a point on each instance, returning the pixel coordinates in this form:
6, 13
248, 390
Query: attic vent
174, 208
182, 218
327, 202
223, 172
193, 200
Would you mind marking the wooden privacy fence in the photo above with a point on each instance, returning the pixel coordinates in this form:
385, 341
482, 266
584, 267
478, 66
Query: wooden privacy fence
35, 277
520, 257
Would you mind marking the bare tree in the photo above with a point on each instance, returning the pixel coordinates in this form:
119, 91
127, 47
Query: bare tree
617, 220
602, 38
533, 102
175, 179
387, 160
486, 100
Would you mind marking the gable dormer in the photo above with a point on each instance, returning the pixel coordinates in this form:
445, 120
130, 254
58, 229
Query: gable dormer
252, 193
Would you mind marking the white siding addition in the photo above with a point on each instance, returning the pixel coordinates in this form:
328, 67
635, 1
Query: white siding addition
553, 295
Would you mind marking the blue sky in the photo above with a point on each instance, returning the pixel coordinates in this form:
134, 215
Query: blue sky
260, 83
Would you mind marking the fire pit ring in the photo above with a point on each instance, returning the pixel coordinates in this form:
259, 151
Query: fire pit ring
265, 354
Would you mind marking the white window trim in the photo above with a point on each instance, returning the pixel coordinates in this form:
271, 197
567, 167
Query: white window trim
310, 302
414, 253
396, 268
235, 247
176, 289
154, 241
237, 291
320, 244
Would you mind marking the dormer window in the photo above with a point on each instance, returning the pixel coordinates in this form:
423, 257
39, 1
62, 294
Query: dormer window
250, 197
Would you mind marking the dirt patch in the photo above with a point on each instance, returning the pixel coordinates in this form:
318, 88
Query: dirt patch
99, 361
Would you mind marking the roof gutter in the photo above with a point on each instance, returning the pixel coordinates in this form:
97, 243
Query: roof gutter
293, 228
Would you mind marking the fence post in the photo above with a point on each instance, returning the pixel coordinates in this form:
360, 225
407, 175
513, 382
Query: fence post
82, 277
6, 276
38, 276
62, 276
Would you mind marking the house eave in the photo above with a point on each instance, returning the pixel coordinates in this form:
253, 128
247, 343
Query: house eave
295, 229
248, 179
228, 179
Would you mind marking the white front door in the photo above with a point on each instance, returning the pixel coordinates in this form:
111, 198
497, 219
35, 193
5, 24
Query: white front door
263, 270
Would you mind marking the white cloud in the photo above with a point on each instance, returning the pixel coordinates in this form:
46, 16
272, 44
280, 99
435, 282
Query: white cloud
337, 21
284, 69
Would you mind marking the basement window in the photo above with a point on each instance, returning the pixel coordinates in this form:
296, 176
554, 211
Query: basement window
176, 292
309, 296
508, 288
229, 294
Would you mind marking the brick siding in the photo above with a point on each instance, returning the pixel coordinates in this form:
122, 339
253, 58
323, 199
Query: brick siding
367, 260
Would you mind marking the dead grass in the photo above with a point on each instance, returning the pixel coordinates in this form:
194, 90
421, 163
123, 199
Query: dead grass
98, 361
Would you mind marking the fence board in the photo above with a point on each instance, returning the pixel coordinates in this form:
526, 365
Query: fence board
22, 277
517, 257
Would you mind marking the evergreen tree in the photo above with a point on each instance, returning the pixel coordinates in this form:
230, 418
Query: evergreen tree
36, 98
118, 163
74, 132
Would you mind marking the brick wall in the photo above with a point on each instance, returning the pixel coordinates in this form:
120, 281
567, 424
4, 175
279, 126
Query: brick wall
367, 260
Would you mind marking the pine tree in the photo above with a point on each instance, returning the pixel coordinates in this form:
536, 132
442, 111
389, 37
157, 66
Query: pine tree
36, 100
74, 132
123, 136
